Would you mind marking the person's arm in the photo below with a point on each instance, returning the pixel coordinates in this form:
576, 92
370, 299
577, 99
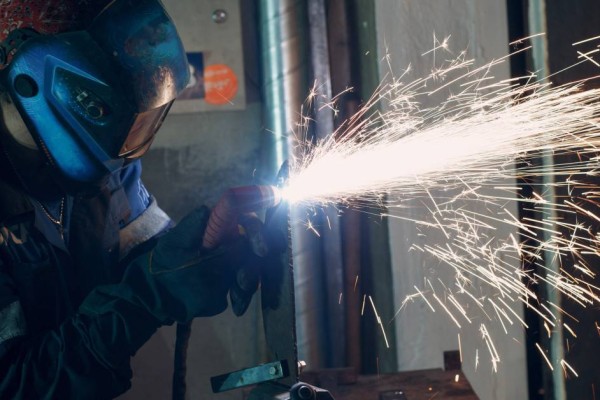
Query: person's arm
86, 357
146, 219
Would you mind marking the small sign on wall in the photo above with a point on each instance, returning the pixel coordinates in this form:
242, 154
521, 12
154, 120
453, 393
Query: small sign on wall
212, 36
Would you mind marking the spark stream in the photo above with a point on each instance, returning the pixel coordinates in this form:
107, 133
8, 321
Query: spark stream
458, 161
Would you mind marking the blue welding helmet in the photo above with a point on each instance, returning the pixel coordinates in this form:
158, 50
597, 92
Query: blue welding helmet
94, 98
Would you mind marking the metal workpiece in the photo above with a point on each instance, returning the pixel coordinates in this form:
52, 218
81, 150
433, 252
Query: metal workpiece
249, 376
285, 76
286, 68
277, 286
277, 289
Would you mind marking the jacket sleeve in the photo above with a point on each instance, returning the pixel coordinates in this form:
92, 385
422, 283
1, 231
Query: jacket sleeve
86, 357
147, 219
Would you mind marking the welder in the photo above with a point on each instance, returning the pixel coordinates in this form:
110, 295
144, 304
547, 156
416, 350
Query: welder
90, 266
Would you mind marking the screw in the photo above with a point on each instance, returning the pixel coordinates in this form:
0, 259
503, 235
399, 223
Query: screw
219, 16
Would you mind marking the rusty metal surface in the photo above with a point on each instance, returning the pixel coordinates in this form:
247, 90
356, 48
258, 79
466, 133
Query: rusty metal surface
434, 384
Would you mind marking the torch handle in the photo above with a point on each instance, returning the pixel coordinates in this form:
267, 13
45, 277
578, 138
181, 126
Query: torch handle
223, 220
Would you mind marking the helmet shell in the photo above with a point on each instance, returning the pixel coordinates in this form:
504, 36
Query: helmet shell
93, 97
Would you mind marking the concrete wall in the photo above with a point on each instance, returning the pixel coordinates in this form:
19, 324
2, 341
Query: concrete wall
406, 29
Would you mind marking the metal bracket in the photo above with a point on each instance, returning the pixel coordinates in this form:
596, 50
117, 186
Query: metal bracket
304, 391
300, 391
250, 376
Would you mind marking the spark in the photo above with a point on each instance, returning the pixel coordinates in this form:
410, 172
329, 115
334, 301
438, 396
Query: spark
562, 311
362, 309
500, 312
544, 356
310, 226
566, 366
410, 297
458, 162
447, 310
420, 293
587, 57
459, 307
571, 331
517, 316
548, 330
494, 356
586, 40
460, 349
387, 344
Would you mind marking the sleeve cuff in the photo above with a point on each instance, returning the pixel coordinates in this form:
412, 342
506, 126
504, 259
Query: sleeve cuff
150, 223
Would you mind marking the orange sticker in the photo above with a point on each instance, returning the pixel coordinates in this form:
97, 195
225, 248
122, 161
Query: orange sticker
220, 84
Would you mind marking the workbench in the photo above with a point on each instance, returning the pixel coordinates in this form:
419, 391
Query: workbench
433, 384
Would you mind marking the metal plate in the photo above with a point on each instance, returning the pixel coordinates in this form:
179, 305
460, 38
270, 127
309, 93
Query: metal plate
277, 294
249, 376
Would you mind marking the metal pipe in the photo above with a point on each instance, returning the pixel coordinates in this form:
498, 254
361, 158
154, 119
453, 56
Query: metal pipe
283, 25
285, 76
537, 23
331, 235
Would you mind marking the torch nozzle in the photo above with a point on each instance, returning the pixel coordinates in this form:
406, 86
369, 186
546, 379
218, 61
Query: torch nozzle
223, 220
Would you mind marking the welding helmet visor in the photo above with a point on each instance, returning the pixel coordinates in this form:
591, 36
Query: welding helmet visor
93, 98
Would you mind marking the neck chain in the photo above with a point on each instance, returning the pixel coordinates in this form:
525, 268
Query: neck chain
58, 222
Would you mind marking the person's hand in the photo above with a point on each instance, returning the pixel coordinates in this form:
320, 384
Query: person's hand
179, 280
247, 274
269, 242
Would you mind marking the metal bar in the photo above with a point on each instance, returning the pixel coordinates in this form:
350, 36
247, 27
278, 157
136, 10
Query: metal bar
249, 376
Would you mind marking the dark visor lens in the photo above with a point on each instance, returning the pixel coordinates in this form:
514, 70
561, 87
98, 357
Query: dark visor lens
142, 131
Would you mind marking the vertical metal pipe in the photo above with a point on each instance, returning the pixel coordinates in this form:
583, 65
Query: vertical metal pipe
343, 73
331, 235
537, 23
285, 76
284, 59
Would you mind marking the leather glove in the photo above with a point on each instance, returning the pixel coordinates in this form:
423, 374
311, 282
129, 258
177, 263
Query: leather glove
268, 244
179, 280
247, 275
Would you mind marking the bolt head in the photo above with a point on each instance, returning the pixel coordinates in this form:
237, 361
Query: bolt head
219, 16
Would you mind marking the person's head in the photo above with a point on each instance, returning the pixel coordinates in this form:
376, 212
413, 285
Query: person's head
85, 83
